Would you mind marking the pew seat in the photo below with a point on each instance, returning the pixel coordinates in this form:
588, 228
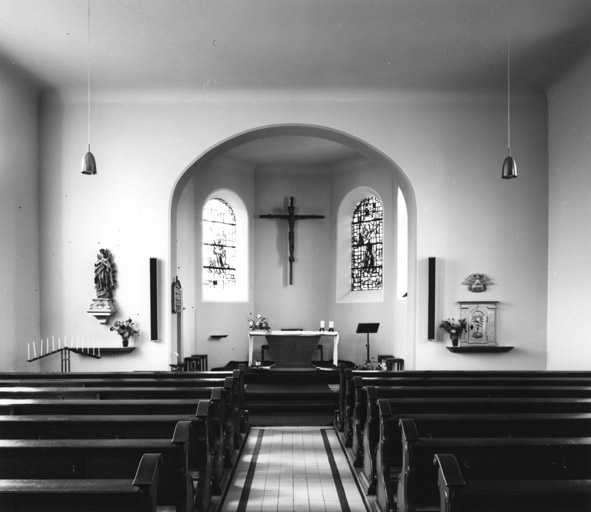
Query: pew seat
551, 458
131, 494
110, 458
458, 492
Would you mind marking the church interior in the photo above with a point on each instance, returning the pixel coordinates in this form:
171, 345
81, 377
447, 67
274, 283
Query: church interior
181, 179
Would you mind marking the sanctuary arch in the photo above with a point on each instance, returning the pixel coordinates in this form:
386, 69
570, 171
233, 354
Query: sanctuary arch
219, 328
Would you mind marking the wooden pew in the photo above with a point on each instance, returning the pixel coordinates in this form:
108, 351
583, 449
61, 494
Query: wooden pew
349, 383
202, 410
118, 427
386, 459
146, 379
461, 489
397, 467
225, 409
366, 424
129, 494
516, 425
101, 458
547, 458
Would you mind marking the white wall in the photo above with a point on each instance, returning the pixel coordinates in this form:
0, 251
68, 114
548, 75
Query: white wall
19, 220
569, 269
450, 146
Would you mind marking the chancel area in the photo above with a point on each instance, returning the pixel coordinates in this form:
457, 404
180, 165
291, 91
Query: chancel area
335, 230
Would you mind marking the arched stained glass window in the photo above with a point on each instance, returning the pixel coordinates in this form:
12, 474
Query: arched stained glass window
219, 245
367, 245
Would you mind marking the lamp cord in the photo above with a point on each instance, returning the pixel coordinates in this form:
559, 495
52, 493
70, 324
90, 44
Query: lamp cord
88, 75
509, 94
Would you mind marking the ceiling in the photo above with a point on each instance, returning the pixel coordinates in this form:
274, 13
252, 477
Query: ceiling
209, 45
201, 47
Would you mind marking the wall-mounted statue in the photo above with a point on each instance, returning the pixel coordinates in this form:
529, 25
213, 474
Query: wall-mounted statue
104, 275
103, 307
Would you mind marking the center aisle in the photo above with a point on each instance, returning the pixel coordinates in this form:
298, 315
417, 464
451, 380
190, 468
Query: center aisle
286, 469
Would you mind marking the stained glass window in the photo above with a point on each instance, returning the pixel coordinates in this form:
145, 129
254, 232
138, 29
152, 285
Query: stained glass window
367, 242
219, 245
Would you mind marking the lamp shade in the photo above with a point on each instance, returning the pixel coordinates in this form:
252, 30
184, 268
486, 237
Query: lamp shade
88, 163
509, 168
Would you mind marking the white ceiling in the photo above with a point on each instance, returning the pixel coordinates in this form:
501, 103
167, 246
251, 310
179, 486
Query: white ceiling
202, 46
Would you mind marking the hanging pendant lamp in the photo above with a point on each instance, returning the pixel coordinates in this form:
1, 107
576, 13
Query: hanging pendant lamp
88, 162
509, 165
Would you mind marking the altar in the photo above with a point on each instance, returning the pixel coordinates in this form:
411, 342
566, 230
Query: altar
292, 349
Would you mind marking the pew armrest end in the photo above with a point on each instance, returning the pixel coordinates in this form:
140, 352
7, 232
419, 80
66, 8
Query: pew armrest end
147, 471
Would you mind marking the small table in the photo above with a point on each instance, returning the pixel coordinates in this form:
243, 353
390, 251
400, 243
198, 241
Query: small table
306, 338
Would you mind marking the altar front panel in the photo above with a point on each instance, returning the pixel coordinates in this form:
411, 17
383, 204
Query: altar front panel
292, 346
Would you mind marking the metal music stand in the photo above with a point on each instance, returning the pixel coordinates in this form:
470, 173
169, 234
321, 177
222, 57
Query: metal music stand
367, 328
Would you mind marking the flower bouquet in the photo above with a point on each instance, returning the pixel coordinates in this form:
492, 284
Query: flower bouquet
454, 329
258, 323
125, 329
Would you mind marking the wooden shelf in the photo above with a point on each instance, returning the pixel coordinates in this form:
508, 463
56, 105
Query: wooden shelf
485, 349
116, 350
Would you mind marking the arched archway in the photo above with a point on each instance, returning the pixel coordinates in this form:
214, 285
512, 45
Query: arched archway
354, 145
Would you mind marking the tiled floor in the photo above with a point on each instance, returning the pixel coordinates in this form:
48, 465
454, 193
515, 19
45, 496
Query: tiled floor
286, 469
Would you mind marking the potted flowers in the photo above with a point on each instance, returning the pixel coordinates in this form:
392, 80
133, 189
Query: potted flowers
125, 329
258, 323
454, 329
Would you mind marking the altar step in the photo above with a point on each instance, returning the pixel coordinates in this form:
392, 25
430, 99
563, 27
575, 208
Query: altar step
291, 398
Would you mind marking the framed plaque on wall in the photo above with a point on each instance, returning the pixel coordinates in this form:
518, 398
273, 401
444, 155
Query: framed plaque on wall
480, 318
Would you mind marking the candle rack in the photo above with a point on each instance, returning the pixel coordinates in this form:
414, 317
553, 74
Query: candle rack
65, 355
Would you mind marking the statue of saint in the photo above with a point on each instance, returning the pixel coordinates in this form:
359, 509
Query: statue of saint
104, 281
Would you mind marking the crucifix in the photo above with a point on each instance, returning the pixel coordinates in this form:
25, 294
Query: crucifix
291, 218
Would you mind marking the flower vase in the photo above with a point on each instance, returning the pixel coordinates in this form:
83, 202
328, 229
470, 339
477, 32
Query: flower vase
455, 338
125, 339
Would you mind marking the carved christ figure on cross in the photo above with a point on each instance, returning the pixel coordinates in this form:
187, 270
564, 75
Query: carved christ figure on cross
291, 218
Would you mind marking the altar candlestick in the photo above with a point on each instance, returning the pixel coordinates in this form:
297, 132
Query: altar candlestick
59, 343
322, 325
52, 343
331, 326
34, 351
41, 348
47, 345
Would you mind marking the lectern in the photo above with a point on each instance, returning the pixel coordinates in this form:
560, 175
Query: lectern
367, 329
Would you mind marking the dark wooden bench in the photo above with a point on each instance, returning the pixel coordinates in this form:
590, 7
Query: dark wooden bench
349, 384
113, 458
526, 458
149, 378
366, 422
416, 487
225, 410
202, 410
461, 489
133, 493
366, 418
388, 457
399, 408
117, 427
